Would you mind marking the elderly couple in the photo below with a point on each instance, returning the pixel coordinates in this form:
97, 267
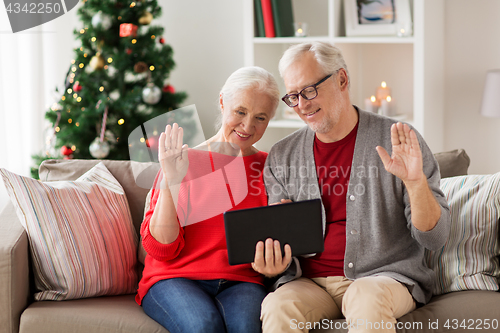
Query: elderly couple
372, 269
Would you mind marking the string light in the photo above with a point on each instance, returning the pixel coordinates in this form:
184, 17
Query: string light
101, 89
151, 68
73, 69
73, 148
121, 121
153, 37
110, 60
83, 109
81, 48
81, 65
93, 39
82, 31
119, 18
75, 95
85, 55
132, 5
79, 99
142, 140
134, 41
70, 91
63, 98
73, 61
57, 129
77, 124
70, 120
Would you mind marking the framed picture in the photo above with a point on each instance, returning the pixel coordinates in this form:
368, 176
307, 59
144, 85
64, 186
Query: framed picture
378, 18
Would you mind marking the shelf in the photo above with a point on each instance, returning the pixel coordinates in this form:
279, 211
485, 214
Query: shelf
412, 66
335, 40
289, 40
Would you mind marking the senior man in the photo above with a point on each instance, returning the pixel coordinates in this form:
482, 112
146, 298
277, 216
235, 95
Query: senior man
380, 211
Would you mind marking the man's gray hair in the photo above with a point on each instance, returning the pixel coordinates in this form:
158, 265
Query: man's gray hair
251, 77
329, 57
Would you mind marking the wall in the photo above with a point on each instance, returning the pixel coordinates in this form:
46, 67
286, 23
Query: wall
206, 37
472, 47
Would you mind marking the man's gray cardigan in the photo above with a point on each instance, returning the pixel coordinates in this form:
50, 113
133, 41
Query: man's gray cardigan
380, 236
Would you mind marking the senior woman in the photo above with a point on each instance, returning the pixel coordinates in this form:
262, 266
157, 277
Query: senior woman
188, 284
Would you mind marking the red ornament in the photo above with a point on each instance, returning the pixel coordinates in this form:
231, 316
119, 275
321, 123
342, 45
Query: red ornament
129, 51
168, 89
128, 29
66, 151
162, 40
77, 87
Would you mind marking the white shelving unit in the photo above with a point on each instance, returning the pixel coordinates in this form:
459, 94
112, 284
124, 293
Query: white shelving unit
411, 66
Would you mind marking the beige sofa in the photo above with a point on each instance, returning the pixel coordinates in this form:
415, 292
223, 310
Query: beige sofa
19, 313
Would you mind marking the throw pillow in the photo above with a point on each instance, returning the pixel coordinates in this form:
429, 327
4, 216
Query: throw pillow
453, 163
469, 259
82, 240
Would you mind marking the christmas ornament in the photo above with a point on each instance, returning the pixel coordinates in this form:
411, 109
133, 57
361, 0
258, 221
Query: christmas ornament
77, 87
162, 40
67, 152
168, 89
97, 62
99, 149
128, 30
102, 20
140, 67
151, 94
146, 18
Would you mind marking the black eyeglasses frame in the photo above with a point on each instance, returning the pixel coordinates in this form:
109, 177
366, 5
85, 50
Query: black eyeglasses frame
315, 86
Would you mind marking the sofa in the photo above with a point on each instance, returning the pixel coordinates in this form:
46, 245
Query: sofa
462, 310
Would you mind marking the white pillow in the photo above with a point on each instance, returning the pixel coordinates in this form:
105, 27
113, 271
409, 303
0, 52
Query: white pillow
82, 239
469, 259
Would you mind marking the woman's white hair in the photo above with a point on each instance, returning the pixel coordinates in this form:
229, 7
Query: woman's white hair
251, 77
329, 57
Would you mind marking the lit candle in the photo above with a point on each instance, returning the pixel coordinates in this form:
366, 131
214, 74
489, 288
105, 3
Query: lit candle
383, 91
388, 107
371, 104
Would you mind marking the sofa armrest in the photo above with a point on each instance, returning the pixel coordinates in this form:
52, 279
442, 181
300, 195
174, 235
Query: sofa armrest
14, 270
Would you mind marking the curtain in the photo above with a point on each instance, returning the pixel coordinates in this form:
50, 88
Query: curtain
32, 64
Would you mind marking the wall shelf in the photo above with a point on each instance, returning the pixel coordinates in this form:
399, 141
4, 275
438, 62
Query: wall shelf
411, 66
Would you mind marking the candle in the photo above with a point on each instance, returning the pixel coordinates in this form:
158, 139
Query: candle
387, 106
371, 104
383, 91
300, 29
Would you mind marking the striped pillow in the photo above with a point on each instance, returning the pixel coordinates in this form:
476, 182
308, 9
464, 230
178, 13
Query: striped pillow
82, 240
469, 259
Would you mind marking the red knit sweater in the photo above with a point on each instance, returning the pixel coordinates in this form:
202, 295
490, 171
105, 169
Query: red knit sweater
214, 183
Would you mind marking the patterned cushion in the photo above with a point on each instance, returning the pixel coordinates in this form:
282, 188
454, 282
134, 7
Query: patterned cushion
83, 243
469, 260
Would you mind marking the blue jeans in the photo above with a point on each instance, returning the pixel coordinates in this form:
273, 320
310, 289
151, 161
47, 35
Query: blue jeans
183, 305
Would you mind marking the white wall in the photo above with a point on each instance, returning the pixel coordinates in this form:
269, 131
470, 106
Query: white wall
207, 39
472, 47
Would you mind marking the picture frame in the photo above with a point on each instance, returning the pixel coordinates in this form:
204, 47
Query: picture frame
378, 18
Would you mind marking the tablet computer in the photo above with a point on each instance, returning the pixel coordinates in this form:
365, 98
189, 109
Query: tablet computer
298, 224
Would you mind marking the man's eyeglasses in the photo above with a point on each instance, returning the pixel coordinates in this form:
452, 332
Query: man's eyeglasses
309, 92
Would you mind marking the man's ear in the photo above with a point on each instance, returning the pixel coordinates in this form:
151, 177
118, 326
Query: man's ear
343, 79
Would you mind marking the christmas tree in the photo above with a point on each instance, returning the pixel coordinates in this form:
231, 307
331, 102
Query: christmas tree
117, 81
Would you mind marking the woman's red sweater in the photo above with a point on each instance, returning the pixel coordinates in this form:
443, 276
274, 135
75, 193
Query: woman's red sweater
214, 183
